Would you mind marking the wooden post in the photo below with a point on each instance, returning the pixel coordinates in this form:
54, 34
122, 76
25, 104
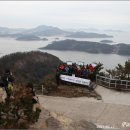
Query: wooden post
42, 89
109, 82
126, 84
115, 83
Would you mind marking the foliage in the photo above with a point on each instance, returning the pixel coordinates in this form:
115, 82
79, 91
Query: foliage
18, 112
98, 68
120, 71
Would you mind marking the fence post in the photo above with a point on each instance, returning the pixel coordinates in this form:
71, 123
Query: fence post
126, 84
42, 89
102, 79
109, 82
115, 83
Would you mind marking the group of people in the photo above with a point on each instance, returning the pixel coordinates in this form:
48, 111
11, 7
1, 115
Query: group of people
81, 71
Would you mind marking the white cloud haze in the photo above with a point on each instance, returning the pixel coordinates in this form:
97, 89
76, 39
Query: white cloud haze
66, 14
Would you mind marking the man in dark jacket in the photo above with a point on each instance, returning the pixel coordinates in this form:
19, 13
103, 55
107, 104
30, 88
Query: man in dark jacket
8, 80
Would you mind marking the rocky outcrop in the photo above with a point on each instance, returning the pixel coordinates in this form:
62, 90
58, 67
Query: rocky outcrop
2, 95
54, 121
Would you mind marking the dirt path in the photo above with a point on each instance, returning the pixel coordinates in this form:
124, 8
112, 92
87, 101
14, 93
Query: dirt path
111, 112
114, 96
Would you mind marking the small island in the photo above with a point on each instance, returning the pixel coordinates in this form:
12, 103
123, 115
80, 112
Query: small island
44, 39
56, 38
106, 41
28, 38
90, 47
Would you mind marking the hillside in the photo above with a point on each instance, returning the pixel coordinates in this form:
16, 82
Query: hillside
90, 47
29, 66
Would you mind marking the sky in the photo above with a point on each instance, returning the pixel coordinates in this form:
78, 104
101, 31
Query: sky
66, 14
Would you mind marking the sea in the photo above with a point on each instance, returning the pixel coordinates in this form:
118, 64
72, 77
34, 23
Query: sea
109, 61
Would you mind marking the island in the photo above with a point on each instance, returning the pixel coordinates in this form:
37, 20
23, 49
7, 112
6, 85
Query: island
88, 35
56, 38
106, 41
44, 39
28, 38
90, 47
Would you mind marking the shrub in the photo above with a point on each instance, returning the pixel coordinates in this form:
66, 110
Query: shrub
50, 82
18, 112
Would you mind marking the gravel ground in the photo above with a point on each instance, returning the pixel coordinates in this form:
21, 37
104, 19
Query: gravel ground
112, 111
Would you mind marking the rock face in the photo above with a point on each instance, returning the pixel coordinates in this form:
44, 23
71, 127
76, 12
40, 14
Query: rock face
2, 95
53, 121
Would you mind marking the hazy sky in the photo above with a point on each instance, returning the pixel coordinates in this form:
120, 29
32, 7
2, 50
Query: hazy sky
66, 14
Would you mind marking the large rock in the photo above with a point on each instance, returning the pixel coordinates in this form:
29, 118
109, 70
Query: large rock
56, 121
2, 95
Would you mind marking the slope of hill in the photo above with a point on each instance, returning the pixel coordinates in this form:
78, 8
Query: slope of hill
29, 66
91, 47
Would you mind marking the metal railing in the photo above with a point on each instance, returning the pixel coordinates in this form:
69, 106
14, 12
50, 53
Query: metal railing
113, 83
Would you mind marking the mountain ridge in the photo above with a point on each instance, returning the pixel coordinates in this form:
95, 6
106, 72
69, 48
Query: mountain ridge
44, 30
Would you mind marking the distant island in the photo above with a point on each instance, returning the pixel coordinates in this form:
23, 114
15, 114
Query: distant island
90, 47
28, 38
111, 30
41, 30
46, 31
88, 35
106, 41
44, 39
56, 38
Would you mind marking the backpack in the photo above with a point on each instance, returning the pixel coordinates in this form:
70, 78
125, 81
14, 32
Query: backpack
10, 87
